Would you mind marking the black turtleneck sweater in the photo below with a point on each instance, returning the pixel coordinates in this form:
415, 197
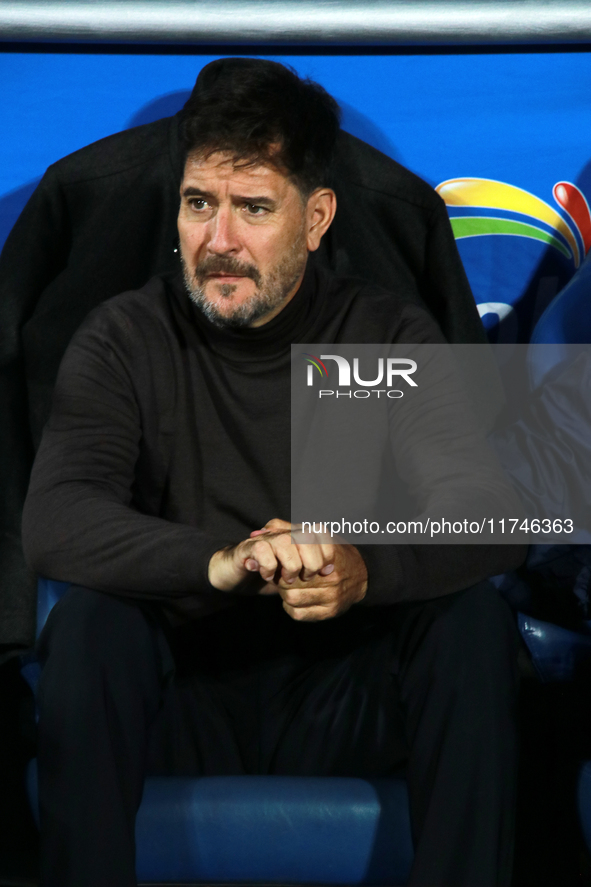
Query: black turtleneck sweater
104, 220
170, 438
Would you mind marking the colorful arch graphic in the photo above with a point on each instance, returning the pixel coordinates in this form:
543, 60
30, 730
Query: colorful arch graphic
486, 206
315, 361
575, 204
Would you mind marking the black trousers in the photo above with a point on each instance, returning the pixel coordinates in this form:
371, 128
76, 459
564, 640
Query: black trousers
430, 686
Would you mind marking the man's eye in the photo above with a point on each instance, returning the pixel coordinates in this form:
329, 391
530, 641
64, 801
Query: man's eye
253, 209
198, 203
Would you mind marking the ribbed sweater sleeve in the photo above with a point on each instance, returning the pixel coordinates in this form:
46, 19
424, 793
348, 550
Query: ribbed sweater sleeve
80, 522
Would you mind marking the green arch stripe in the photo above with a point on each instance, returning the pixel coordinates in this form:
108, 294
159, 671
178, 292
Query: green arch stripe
315, 364
477, 226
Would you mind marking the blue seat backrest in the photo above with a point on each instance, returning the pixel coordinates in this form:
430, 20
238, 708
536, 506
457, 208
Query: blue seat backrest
566, 321
49, 591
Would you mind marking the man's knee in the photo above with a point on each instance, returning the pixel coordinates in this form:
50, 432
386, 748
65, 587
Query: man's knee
473, 639
89, 629
480, 612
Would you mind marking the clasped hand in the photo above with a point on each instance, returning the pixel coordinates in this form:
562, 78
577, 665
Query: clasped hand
316, 581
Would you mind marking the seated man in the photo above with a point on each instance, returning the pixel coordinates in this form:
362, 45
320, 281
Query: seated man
118, 198
196, 638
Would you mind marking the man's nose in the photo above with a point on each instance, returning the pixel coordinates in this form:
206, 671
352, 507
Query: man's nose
222, 232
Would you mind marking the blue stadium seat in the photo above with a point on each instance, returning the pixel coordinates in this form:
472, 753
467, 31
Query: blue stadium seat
262, 829
557, 652
566, 321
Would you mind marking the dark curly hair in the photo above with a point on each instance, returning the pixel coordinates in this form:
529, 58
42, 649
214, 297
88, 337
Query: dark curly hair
262, 112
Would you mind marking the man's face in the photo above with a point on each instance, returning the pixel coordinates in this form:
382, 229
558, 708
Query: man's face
243, 239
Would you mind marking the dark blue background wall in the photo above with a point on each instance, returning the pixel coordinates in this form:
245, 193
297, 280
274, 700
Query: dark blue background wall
522, 120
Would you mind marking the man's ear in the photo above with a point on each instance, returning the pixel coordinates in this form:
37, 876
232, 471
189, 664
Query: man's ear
320, 211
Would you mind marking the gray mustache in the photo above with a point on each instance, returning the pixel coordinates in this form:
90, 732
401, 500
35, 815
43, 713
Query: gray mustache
226, 265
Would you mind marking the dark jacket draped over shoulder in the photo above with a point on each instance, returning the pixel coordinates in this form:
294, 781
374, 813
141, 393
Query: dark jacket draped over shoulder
103, 220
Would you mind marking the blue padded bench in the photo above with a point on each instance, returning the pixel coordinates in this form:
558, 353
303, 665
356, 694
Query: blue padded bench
262, 829
557, 653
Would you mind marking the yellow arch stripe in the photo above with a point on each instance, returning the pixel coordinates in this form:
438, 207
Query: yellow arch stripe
315, 364
500, 195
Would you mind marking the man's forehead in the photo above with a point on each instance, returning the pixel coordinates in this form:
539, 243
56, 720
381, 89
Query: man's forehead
223, 167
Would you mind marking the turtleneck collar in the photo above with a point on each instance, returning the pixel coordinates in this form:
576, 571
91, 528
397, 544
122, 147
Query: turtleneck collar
259, 343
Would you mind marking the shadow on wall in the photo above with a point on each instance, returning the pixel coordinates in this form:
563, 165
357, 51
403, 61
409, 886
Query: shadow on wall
353, 121
356, 123
164, 106
12, 204
528, 296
